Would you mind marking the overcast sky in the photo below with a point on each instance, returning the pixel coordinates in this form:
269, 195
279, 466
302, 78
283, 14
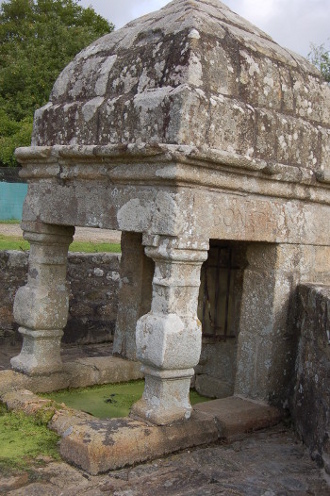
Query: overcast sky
292, 23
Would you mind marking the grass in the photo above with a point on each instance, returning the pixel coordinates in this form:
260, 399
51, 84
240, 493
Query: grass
10, 221
23, 439
18, 243
88, 247
109, 400
13, 243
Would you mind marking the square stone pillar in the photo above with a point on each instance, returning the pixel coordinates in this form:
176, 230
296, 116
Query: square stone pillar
135, 293
169, 337
267, 339
41, 307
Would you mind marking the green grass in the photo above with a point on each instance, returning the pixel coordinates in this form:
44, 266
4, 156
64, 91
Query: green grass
13, 243
22, 439
10, 221
108, 401
18, 243
88, 247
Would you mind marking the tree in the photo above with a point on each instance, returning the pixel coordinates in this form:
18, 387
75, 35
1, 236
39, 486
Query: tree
38, 38
320, 57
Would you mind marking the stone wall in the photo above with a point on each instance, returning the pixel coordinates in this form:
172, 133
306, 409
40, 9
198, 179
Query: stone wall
94, 285
311, 401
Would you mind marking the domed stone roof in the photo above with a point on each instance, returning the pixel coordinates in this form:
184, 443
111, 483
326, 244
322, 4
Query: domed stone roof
194, 73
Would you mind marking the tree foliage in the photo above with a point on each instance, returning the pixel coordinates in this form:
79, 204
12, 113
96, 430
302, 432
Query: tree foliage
320, 57
38, 38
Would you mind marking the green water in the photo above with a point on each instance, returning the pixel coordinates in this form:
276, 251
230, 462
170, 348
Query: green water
108, 401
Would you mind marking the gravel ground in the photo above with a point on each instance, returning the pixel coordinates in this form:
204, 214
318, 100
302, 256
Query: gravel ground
82, 233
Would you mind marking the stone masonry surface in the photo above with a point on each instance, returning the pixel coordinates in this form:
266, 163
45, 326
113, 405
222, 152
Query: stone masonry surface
94, 285
311, 401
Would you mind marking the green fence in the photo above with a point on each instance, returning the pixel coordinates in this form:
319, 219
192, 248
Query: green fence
12, 194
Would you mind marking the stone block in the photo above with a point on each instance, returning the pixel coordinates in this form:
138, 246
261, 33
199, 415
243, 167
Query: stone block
213, 387
103, 445
322, 260
168, 342
236, 416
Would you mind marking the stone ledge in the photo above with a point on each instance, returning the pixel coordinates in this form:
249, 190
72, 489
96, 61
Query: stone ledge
83, 372
236, 417
92, 371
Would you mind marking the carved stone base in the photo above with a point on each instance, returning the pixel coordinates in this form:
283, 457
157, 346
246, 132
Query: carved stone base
166, 396
40, 354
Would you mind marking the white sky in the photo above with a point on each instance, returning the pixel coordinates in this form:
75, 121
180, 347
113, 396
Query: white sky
292, 23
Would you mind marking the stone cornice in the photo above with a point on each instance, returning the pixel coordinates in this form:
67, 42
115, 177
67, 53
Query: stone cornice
174, 165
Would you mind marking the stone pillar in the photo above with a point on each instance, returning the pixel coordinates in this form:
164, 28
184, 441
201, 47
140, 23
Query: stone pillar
267, 338
136, 273
41, 307
169, 336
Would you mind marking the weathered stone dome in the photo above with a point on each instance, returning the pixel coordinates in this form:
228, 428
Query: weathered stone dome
194, 73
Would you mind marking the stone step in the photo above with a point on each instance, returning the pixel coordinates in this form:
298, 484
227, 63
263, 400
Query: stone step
235, 416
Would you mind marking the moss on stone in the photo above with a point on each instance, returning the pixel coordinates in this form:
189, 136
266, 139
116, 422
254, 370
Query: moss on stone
23, 438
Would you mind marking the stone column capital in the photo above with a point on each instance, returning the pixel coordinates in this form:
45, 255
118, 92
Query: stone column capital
172, 249
37, 232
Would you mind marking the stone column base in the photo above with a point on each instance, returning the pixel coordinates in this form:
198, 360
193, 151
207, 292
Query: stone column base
166, 396
40, 354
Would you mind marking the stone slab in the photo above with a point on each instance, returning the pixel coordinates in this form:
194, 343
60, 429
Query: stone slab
98, 446
90, 371
265, 463
101, 445
84, 372
236, 416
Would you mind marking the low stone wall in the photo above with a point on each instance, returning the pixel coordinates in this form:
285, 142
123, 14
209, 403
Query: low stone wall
94, 285
311, 405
